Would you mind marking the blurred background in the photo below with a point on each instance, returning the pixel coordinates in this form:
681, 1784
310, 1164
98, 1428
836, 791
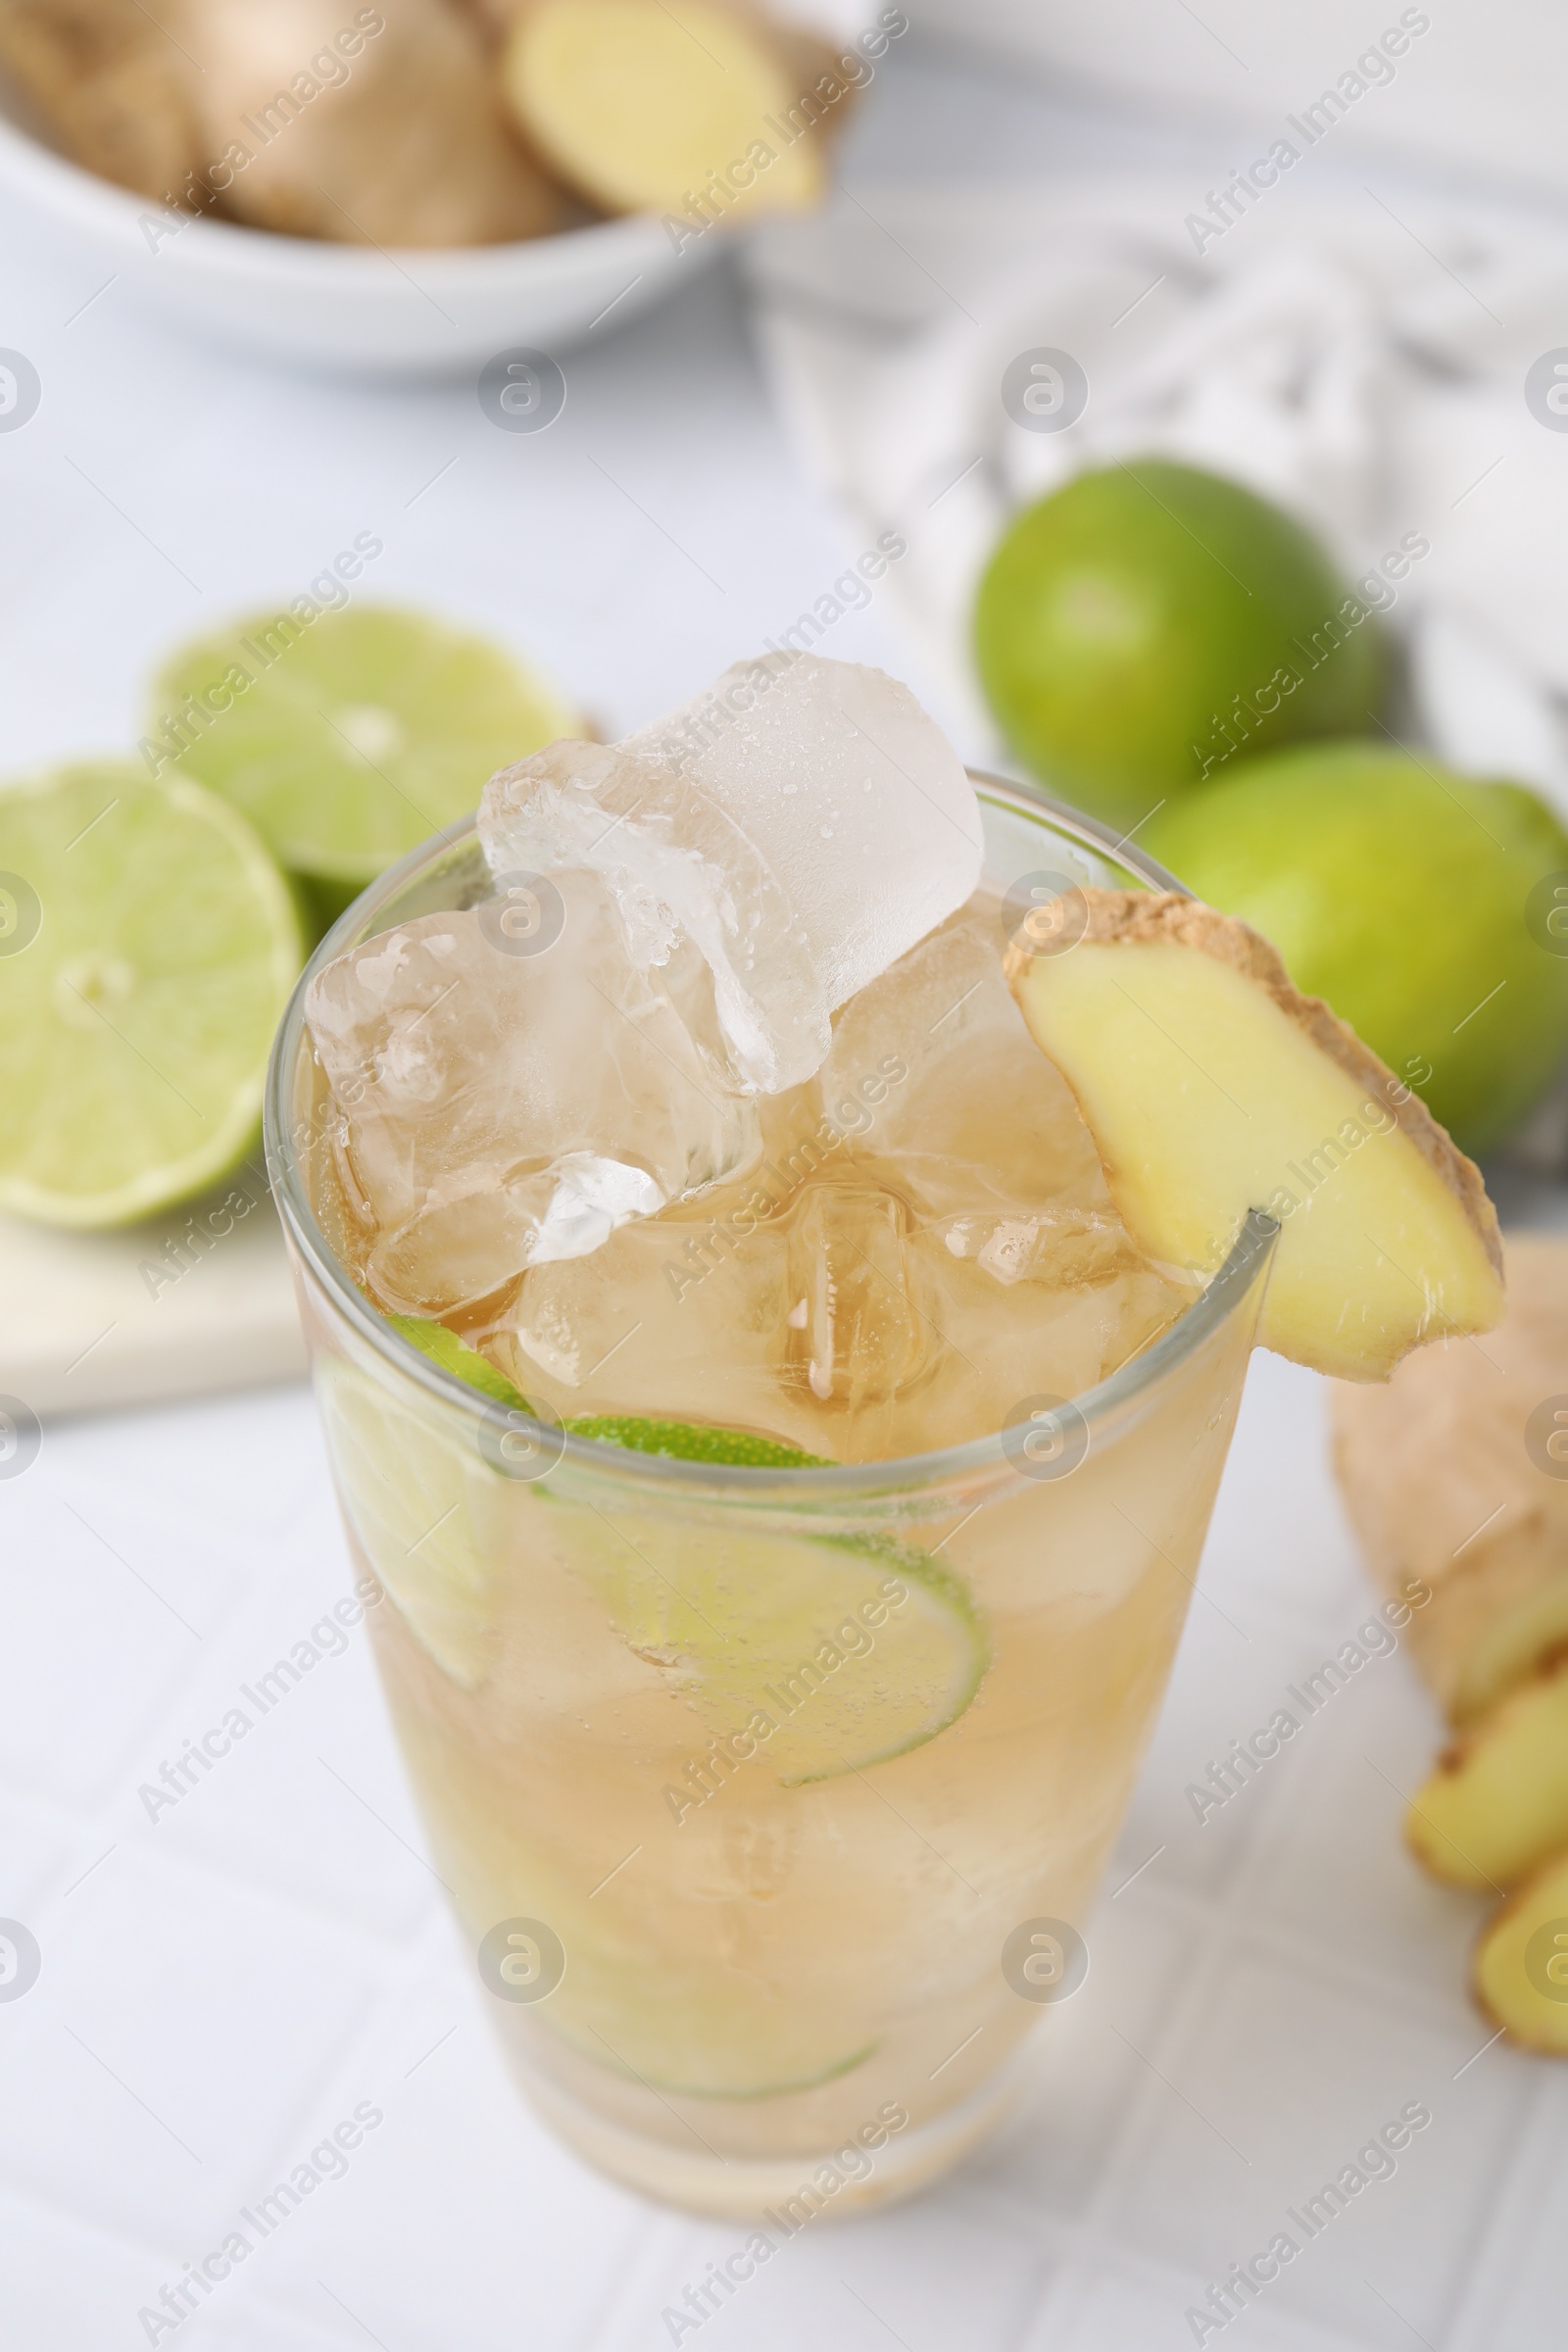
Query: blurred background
1177, 397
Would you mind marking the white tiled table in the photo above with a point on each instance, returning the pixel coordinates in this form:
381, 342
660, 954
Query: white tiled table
223, 1984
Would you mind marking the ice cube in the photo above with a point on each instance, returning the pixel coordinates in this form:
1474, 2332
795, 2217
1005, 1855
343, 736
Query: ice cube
803, 824
1050, 1329
502, 1109
681, 1318
979, 1119
793, 1313
1062, 1246
858, 1336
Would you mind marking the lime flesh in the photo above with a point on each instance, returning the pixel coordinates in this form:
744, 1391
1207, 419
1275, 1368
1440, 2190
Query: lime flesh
693, 2036
646, 1991
349, 739
439, 1526
837, 1651
736, 1448
455, 1356
682, 1440
136, 1021
422, 1504
829, 1653
1399, 893
819, 1656
1138, 629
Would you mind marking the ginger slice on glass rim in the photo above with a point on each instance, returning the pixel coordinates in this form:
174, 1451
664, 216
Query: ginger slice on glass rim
1213, 1087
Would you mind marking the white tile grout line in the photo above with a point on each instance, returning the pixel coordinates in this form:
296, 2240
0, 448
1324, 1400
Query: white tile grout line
1515, 2209
1277, 1946
1173, 2035
1267, 1822
630, 2296
1170, 1893
1287, 1947
402, 1978
1165, 2033
136, 1838
344, 2064
1091, 2259
92, 1829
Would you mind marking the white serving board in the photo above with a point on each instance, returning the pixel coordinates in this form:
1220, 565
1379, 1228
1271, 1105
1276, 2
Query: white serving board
96, 1319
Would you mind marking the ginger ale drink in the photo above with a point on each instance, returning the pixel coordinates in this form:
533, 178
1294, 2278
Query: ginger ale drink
784, 1472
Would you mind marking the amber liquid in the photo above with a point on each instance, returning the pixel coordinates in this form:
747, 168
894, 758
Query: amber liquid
766, 1949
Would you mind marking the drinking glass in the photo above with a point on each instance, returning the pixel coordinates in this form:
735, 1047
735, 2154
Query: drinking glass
757, 1941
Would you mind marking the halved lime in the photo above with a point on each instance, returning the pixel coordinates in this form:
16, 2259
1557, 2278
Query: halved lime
419, 1504
349, 737
139, 993
828, 1652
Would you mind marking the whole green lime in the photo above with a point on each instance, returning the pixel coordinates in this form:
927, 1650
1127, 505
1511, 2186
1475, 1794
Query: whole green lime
1149, 623
1408, 897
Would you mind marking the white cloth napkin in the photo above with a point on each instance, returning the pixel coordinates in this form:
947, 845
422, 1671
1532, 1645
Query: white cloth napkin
1366, 368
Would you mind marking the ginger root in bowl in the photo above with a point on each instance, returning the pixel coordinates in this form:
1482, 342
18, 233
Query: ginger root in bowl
692, 115
372, 125
111, 87
432, 123
406, 141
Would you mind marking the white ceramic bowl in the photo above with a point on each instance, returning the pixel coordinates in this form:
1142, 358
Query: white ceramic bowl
350, 307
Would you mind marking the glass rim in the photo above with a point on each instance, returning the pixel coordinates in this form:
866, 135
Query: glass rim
1101, 1408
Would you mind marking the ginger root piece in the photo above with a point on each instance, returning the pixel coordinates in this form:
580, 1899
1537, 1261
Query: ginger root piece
1520, 1972
378, 127
1446, 1475
493, 18
1496, 1805
694, 109
1211, 1086
108, 84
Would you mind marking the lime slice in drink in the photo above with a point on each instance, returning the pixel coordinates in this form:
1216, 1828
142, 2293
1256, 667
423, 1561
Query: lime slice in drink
646, 1991
693, 2035
817, 1655
145, 961
455, 1356
349, 738
421, 1507
686, 1442
822, 1654
826, 1653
